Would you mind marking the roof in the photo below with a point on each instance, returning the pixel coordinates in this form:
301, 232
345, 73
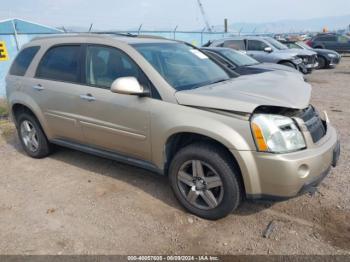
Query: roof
123, 38
19, 26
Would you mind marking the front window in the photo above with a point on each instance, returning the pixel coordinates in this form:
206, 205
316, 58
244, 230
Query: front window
343, 39
238, 58
182, 66
256, 45
106, 64
276, 44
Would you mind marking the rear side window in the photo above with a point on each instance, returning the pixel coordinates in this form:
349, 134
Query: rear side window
23, 60
235, 44
61, 63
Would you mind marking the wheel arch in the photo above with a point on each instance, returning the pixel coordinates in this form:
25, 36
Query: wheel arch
179, 140
18, 106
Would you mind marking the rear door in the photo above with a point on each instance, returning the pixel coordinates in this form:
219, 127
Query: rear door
56, 84
110, 121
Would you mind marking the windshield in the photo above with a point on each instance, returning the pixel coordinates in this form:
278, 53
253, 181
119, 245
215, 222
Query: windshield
302, 44
237, 57
182, 66
276, 44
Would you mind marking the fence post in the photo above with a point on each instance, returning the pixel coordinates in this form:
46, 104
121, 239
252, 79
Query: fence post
202, 36
15, 34
138, 31
175, 32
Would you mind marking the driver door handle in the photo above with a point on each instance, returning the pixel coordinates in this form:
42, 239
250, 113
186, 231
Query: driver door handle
38, 87
88, 97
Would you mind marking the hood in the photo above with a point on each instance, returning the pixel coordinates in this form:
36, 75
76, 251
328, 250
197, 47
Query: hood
246, 93
326, 52
273, 67
251, 70
298, 52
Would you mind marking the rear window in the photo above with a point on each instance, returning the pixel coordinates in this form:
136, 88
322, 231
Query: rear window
23, 60
235, 44
61, 63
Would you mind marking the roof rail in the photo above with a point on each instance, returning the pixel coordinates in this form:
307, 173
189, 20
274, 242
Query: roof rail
111, 33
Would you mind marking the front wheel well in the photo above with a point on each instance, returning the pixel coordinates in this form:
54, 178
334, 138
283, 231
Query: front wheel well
181, 140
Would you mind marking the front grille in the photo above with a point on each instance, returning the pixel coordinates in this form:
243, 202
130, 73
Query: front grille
315, 125
310, 59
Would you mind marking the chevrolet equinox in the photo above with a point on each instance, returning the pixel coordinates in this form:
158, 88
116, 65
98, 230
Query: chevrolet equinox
167, 107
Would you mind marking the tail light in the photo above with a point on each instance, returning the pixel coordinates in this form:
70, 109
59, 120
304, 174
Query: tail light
309, 43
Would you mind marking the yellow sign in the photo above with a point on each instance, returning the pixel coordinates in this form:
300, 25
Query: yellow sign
4, 56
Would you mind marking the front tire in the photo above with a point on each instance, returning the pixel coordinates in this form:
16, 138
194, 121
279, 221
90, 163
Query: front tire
322, 63
32, 137
206, 181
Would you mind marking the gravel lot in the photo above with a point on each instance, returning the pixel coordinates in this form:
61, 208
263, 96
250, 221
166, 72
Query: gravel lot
74, 203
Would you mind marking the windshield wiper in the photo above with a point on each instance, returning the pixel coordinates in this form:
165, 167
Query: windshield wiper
219, 81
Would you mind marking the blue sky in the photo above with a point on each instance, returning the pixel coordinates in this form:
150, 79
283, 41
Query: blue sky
166, 14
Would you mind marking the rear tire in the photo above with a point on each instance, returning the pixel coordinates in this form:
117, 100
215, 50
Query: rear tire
199, 168
32, 137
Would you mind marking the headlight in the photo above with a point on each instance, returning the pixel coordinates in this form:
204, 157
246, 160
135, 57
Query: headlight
276, 134
297, 60
332, 55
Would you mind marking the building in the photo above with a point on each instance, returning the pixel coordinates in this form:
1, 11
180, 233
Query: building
14, 33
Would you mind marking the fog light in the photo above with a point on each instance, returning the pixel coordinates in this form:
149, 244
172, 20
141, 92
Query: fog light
303, 171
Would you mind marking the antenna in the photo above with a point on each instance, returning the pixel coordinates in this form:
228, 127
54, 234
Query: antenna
91, 27
205, 18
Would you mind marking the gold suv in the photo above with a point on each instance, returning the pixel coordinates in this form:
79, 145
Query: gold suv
167, 107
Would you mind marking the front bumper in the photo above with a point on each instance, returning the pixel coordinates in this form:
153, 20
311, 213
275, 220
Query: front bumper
282, 176
334, 61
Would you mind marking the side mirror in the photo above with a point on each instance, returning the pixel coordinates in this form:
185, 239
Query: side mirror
268, 50
128, 86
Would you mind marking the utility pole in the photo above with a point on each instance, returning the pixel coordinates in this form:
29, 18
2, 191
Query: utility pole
226, 25
204, 15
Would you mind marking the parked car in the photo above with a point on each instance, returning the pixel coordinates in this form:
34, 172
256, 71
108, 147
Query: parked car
165, 106
242, 63
326, 58
332, 41
269, 50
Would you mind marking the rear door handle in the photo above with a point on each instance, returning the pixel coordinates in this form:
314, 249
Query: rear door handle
88, 97
38, 87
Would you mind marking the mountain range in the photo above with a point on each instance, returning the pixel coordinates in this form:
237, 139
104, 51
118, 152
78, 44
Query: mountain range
290, 26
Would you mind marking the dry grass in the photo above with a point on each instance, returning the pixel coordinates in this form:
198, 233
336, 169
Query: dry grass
7, 128
3, 108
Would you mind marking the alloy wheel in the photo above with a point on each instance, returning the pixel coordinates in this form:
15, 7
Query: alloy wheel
29, 136
200, 184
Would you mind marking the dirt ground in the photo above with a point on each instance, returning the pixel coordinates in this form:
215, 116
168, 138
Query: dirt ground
75, 203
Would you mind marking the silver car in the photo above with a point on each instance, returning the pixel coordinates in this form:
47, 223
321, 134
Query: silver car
269, 50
